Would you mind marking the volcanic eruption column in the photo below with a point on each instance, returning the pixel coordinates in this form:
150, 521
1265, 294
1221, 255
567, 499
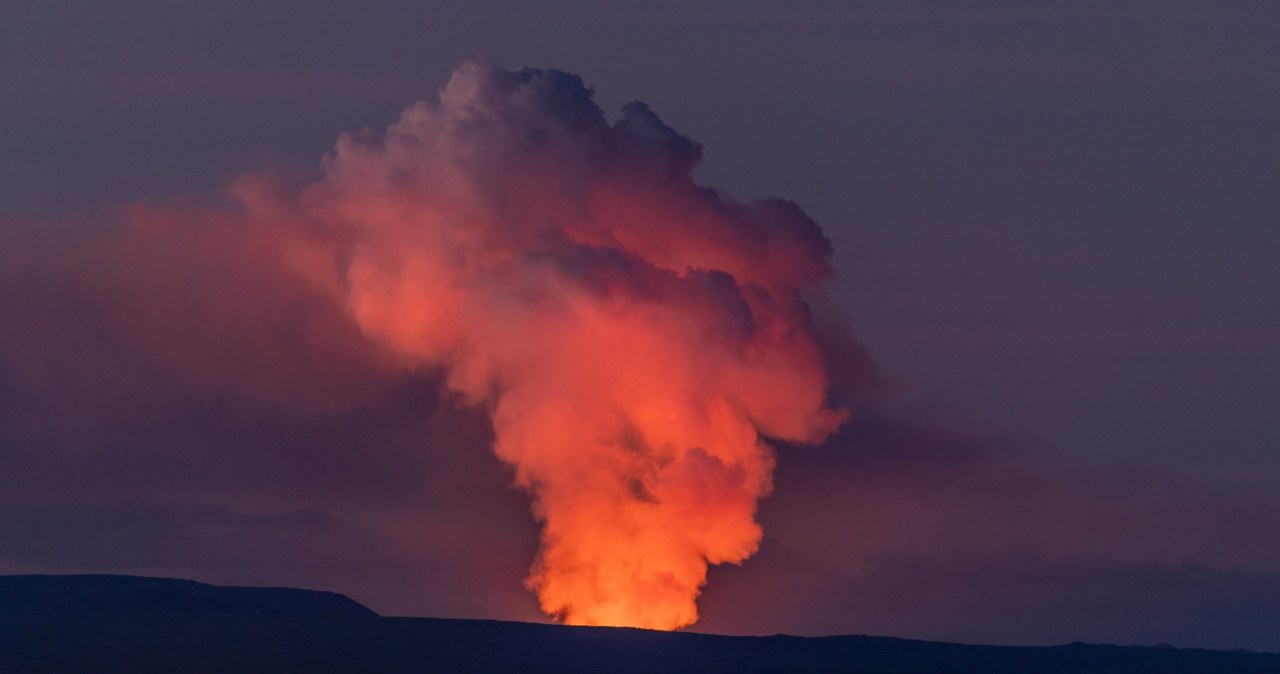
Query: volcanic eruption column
633, 336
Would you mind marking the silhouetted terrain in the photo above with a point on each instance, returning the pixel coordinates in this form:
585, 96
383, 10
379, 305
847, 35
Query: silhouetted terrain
130, 624
134, 594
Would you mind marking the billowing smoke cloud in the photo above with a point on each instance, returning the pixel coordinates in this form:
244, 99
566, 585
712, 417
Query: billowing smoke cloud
635, 338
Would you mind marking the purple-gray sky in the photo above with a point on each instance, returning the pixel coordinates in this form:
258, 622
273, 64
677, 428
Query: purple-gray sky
1057, 230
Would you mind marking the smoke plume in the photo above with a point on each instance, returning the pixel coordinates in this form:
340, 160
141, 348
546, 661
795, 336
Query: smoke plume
635, 338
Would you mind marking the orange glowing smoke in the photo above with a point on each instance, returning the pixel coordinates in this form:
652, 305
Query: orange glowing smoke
634, 337
632, 334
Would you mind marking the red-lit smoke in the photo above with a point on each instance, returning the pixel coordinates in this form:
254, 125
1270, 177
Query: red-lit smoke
634, 337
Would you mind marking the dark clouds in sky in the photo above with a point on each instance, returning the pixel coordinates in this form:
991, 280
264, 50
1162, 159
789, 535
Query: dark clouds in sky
1055, 227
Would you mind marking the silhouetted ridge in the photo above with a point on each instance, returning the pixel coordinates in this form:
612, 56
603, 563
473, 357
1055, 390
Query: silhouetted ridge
136, 594
109, 624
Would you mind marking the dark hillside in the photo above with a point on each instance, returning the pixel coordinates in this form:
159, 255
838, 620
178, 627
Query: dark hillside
135, 594
89, 623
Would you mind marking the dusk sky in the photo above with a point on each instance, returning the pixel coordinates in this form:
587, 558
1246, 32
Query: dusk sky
1050, 306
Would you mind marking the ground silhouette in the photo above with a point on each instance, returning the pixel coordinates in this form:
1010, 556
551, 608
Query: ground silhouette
134, 624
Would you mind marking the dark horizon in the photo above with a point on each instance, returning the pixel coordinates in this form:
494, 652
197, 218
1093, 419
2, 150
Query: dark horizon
132, 624
1056, 244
